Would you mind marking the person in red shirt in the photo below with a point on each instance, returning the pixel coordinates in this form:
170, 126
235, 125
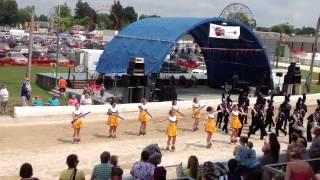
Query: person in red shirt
72, 101
62, 86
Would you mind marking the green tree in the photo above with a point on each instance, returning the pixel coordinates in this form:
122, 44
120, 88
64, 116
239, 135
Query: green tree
65, 11
8, 12
43, 17
104, 21
130, 14
143, 16
283, 28
82, 10
66, 23
263, 29
241, 17
24, 15
305, 31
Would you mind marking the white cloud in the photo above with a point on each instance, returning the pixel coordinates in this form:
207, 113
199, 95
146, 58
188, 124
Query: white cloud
266, 12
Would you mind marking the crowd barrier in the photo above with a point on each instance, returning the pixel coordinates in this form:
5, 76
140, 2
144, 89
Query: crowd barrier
155, 108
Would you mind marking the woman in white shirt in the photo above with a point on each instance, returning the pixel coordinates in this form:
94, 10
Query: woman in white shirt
4, 97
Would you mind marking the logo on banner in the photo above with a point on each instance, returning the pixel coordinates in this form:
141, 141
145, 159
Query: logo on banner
224, 32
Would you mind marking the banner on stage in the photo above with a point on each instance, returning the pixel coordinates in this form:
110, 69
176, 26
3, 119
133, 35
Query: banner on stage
224, 32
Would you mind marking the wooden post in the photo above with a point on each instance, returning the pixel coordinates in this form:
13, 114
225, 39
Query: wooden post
28, 75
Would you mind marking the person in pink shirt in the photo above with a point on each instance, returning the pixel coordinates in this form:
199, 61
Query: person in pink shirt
72, 101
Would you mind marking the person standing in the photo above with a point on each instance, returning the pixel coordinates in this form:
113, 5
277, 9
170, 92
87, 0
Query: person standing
222, 108
171, 131
280, 121
62, 86
210, 126
196, 107
227, 114
25, 92
143, 117
235, 123
77, 123
102, 171
4, 97
113, 120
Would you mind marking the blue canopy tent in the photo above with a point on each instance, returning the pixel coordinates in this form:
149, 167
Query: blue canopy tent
154, 38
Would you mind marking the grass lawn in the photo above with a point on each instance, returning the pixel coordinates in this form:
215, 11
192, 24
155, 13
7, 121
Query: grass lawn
13, 76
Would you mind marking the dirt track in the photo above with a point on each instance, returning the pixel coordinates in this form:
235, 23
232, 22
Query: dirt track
46, 145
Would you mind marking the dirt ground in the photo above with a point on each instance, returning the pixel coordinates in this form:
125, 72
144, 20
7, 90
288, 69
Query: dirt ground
46, 142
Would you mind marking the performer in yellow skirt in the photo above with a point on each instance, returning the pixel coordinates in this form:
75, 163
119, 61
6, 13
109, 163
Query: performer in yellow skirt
77, 123
210, 125
235, 123
143, 117
113, 120
171, 131
196, 113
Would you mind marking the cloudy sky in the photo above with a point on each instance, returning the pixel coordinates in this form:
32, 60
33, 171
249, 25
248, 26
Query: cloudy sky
266, 12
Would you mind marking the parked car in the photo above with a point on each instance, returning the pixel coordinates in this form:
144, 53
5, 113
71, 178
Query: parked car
172, 67
17, 58
188, 61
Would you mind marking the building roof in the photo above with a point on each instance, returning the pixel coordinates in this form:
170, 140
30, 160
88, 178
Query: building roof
153, 38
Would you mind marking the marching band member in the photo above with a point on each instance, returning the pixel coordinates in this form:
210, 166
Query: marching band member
222, 108
143, 117
196, 113
227, 114
77, 123
235, 123
171, 131
313, 121
210, 126
259, 122
113, 120
269, 117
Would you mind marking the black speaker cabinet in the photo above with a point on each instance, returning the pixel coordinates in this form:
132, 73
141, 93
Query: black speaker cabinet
136, 66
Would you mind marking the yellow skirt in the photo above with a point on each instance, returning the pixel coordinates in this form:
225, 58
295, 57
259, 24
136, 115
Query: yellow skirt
235, 122
143, 117
210, 126
172, 130
78, 124
196, 114
113, 121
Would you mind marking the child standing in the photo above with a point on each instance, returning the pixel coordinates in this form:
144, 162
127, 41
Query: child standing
235, 123
143, 117
196, 113
210, 125
113, 120
171, 131
77, 123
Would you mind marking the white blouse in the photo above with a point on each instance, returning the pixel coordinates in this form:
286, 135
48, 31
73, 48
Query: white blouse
211, 115
235, 113
175, 107
196, 105
173, 118
114, 110
77, 112
144, 107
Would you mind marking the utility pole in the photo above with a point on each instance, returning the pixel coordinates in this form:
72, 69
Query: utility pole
28, 75
278, 49
315, 49
58, 45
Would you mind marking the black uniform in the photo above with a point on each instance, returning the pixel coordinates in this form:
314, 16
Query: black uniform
226, 116
241, 118
293, 119
221, 107
269, 118
280, 122
259, 124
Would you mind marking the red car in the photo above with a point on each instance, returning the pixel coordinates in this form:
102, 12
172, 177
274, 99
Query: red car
13, 58
188, 61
